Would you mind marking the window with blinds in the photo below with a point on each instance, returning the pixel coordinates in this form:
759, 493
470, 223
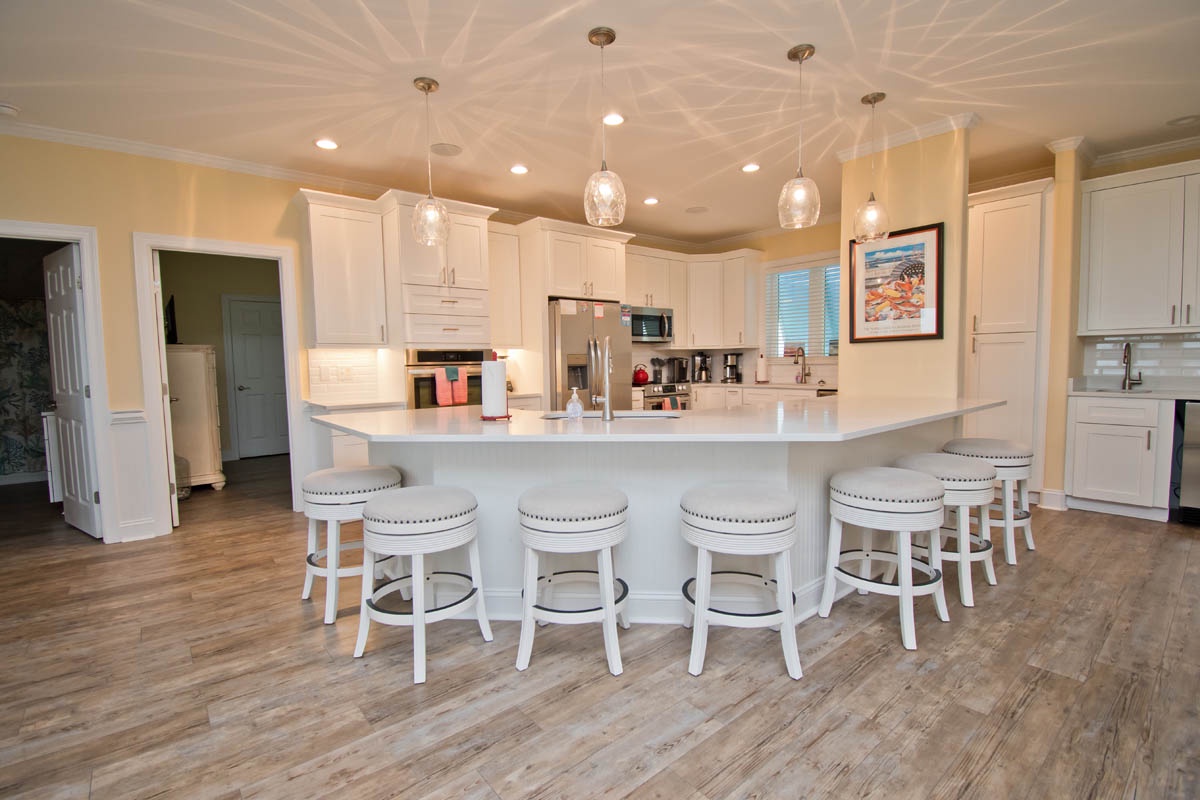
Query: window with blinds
802, 306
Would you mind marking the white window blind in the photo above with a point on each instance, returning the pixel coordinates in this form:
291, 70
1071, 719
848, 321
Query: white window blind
802, 307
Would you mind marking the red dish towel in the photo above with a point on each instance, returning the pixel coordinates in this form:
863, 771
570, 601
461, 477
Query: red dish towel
459, 388
441, 388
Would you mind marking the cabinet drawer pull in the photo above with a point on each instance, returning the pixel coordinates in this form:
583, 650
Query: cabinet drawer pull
449, 302
449, 330
1147, 440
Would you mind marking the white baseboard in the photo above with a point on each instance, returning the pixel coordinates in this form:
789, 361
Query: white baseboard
1051, 500
22, 477
1119, 509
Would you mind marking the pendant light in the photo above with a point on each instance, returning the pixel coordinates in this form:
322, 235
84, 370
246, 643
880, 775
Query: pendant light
604, 195
800, 200
871, 220
431, 221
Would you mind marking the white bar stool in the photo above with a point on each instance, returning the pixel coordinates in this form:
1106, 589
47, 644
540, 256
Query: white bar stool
1014, 465
744, 519
418, 521
968, 482
337, 495
576, 518
888, 499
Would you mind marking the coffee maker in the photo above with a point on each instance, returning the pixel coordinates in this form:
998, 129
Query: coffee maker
733, 370
700, 368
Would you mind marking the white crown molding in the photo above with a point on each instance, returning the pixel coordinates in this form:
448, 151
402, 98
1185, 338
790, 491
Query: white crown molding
1146, 152
1018, 179
929, 129
1079, 144
679, 246
94, 141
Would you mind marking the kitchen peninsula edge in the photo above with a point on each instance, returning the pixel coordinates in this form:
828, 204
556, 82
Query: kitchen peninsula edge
797, 444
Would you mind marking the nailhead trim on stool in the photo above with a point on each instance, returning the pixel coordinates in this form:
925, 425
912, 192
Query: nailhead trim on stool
574, 517
419, 521
748, 519
337, 495
969, 482
1014, 466
889, 499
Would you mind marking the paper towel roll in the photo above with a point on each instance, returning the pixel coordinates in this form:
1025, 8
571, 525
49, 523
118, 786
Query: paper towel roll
760, 370
495, 390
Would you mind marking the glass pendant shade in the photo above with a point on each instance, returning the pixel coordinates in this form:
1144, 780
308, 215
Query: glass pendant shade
799, 203
604, 198
431, 222
871, 221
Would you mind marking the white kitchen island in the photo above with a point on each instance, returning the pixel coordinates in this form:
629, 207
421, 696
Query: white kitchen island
798, 444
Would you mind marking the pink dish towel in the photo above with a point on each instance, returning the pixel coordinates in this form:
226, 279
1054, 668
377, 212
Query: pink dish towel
441, 386
459, 388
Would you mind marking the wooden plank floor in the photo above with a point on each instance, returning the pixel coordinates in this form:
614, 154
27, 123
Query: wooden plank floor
187, 666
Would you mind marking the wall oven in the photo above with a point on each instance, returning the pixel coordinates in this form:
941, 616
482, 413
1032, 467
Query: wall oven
422, 374
653, 324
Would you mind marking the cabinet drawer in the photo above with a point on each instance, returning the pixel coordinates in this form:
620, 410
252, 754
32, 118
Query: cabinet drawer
447, 329
1117, 411
448, 302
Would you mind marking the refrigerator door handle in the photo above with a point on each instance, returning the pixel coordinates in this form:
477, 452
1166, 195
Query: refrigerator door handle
593, 361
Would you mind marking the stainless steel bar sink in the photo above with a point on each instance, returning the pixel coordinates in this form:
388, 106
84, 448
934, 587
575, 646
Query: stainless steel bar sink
617, 414
1124, 391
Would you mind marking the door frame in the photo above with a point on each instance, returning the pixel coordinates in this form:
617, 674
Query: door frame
230, 391
98, 419
151, 338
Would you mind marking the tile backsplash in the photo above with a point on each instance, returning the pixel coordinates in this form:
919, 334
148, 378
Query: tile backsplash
1162, 359
342, 374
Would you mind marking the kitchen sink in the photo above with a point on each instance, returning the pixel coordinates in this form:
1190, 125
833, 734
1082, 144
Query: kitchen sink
1125, 391
617, 414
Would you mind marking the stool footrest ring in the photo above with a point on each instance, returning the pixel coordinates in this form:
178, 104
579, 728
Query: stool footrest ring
572, 616
322, 571
432, 614
740, 619
929, 585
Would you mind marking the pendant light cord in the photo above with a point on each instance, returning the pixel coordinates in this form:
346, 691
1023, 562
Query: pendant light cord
603, 96
873, 148
800, 127
428, 157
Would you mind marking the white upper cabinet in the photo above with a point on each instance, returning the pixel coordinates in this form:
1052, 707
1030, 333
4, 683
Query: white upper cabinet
575, 260
1004, 256
345, 271
1139, 269
705, 305
461, 263
733, 293
648, 281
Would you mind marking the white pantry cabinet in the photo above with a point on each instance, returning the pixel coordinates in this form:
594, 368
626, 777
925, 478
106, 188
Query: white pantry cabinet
344, 267
504, 285
1140, 263
1004, 257
705, 307
1003, 366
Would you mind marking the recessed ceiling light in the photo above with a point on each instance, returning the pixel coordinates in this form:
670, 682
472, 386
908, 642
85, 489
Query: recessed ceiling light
1184, 122
518, 169
651, 201
445, 149
326, 144
9, 110
696, 210
751, 167
613, 118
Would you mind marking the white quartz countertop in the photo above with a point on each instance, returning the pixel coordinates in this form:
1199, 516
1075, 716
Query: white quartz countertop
319, 405
827, 419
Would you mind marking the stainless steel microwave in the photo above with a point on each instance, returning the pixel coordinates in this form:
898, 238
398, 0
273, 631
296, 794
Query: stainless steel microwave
653, 324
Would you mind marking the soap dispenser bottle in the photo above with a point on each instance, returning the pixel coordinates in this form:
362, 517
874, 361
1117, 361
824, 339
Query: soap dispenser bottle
574, 405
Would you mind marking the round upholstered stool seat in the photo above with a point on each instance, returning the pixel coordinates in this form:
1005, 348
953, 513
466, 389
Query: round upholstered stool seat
969, 482
420, 521
1014, 466
740, 518
903, 502
572, 518
335, 496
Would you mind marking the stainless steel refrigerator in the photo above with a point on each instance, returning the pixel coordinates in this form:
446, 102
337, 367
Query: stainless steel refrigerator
575, 327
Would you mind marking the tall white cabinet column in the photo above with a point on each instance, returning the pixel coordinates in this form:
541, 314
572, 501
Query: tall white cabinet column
1005, 358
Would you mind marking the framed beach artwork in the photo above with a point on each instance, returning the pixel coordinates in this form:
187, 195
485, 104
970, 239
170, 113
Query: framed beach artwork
896, 286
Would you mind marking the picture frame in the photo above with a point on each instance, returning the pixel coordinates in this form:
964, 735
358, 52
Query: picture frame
896, 286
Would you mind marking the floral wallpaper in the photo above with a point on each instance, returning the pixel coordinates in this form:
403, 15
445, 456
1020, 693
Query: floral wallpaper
24, 385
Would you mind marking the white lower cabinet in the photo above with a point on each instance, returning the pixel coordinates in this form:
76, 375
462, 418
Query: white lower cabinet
532, 402
1117, 452
639, 399
762, 397
348, 450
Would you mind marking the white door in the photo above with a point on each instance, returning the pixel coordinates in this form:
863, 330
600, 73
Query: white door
255, 371
168, 431
69, 376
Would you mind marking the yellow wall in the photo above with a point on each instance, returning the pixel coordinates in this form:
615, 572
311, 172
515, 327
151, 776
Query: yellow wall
919, 184
792, 244
119, 194
197, 281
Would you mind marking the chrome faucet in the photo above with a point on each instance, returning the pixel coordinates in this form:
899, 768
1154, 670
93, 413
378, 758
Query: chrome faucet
801, 358
598, 363
1128, 381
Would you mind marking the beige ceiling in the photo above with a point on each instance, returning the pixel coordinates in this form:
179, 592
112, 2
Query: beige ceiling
704, 86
